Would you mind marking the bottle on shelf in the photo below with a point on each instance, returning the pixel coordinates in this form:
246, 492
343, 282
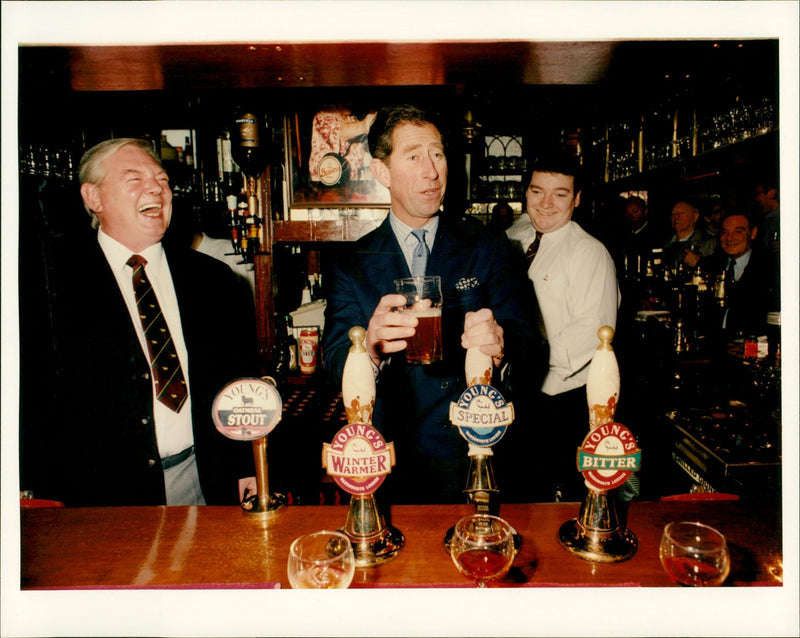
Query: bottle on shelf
316, 288
253, 232
291, 340
307, 296
247, 149
188, 153
242, 215
230, 182
251, 156
285, 359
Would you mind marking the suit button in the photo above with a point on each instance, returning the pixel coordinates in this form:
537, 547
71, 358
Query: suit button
145, 420
445, 385
151, 462
146, 376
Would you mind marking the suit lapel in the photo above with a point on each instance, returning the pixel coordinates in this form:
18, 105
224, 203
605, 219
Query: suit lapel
382, 258
448, 254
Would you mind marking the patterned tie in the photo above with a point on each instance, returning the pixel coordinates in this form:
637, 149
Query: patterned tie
533, 249
421, 253
167, 373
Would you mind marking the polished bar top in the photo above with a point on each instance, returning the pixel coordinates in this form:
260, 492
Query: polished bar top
207, 547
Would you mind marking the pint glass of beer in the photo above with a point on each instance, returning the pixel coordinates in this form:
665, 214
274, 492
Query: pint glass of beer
424, 301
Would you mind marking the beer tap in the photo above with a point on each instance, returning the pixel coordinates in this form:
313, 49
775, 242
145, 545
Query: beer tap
374, 542
481, 488
481, 405
607, 458
248, 410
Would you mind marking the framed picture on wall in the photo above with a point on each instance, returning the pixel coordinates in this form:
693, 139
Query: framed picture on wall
328, 159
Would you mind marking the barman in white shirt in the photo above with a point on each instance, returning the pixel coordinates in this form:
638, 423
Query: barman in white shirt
576, 287
103, 436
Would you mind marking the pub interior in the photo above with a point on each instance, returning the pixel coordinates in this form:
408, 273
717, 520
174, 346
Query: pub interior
652, 121
657, 120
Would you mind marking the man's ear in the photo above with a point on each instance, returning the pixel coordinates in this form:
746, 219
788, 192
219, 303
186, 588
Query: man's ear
91, 195
381, 172
577, 199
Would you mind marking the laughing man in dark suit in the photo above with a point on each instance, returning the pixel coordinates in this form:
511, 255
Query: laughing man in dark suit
486, 304
102, 437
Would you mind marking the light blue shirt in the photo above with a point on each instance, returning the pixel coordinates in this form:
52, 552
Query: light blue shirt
408, 243
740, 265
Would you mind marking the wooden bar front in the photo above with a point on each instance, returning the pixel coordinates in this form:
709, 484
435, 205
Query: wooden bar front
202, 547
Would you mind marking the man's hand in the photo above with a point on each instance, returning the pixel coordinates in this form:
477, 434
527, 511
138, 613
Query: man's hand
247, 487
482, 330
388, 329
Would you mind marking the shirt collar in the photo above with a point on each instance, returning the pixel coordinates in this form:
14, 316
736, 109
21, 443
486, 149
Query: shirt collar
742, 261
557, 233
523, 231
118, 254
402, 231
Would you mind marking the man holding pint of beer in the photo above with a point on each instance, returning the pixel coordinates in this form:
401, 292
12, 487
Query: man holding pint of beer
484, 303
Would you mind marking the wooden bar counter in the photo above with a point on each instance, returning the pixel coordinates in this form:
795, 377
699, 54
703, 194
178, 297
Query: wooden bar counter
223, 547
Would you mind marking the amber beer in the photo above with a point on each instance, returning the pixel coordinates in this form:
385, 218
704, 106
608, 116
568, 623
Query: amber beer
424, 301
426, 344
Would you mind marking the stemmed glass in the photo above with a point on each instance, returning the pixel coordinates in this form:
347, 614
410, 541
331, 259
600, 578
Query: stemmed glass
694, 554
482, 547
322, 560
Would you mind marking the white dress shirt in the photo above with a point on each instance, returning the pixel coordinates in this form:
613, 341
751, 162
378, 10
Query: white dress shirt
576, 286
173, 430
221, 249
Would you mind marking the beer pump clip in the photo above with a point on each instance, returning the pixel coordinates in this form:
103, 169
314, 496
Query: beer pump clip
248, 410
607, 457
482, 416
359, 460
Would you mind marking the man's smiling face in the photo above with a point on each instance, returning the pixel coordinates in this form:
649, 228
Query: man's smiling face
133, 201
550, 200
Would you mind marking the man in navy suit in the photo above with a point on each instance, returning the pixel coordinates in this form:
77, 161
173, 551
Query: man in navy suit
486, 304
752, 290
95, 432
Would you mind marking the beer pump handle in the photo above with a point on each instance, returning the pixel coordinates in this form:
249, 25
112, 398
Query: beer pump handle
374, 542
477, 367
596, 534
478, 370
358, 380
602, 385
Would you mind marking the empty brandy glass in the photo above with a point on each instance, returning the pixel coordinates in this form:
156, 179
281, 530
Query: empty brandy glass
322, 560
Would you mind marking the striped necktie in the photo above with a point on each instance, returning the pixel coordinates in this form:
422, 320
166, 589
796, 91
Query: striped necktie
533, 249
167, 372
419, 259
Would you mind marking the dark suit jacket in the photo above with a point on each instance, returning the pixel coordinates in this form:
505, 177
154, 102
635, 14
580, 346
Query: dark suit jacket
89, 438
749, 299
674, 249
478, 270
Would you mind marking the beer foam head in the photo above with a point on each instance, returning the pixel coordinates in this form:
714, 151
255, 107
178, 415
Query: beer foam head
423, 313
